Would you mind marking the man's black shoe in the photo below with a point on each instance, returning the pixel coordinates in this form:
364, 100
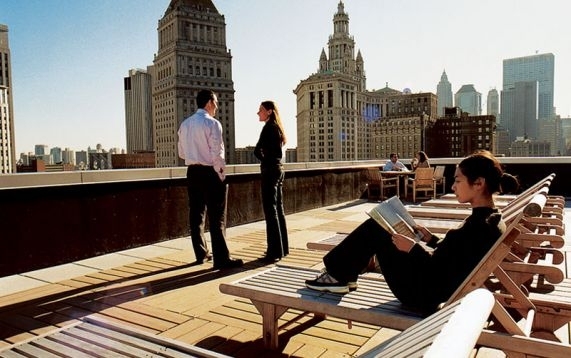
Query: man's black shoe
231, 263
208, 257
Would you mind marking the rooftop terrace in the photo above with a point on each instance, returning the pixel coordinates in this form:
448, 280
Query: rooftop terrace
156, 288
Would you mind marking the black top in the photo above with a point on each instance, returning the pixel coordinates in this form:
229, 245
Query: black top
442, 271
269, 147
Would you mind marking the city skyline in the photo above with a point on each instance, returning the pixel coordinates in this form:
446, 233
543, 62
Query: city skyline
68, 90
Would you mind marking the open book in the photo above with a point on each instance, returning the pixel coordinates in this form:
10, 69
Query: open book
393, 217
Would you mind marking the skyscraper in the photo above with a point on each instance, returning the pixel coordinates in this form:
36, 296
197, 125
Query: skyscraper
444, 94
527, 94
192, 56
469, 100
138, 111
328, 113
519, 110
538, 68
7, 143
493, 103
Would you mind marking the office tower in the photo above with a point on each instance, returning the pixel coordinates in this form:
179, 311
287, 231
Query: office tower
82, 160
551, 131
138, 111
56, 155
192, 56
539, 68
339, 119
519, 110
68, 156
41, 149
469, 100
444, 94
7, 143
502, 141
566, 133
493, 104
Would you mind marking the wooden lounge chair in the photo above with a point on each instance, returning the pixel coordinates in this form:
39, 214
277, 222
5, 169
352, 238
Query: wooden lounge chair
102, 338
540, 316
280, 288
449, 200
450, 332
533, 256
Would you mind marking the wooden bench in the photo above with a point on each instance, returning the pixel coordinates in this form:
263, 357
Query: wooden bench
99, 338
450, 332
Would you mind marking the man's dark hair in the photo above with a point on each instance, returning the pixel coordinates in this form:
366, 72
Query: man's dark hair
203, 97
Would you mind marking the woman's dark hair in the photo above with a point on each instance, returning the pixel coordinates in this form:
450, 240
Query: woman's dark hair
275, 117
483, 164
509, 184
422, 157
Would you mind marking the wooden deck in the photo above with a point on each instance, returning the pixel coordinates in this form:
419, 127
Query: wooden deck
157, 290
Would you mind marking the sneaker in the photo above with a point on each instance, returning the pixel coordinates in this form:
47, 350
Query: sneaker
352, 285
326, 283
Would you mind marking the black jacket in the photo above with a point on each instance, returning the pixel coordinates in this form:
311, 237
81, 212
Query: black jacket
269, 147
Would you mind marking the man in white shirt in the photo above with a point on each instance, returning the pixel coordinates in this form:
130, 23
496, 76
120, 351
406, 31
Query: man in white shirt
201, 146
394, 164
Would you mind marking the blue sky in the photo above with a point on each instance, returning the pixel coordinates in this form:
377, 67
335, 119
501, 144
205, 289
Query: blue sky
69, 57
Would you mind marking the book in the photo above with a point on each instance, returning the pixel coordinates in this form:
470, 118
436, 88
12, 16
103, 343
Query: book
393, 217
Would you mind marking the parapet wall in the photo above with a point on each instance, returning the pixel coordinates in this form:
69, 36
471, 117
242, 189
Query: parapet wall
47, 219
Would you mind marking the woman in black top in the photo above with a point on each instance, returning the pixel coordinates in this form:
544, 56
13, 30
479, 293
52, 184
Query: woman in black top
418, 276
269, 151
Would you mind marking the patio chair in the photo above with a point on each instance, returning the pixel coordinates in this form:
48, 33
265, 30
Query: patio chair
377, 184
439, 177
423, 181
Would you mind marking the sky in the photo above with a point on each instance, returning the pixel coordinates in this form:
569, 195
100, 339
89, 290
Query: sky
69, 57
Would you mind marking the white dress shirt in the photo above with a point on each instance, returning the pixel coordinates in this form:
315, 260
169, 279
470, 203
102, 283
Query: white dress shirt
200, 142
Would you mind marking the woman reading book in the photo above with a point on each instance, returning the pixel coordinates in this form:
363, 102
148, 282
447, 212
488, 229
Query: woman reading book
423, 276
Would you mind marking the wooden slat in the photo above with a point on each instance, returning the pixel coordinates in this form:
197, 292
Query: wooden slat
451, 332
101, 338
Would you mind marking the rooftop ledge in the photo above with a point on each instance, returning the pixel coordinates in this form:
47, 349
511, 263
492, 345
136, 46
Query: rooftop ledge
31, 180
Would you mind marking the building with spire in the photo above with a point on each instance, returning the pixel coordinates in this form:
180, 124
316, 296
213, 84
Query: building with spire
338, 119
192, 56
7, 143
444, 94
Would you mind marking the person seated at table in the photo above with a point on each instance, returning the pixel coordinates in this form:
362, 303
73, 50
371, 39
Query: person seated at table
394, 164
420, 160
422, 276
